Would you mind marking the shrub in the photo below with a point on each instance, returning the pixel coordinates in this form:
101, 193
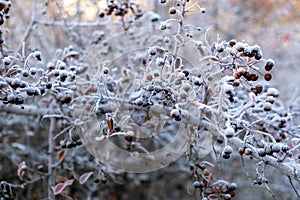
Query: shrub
121, 103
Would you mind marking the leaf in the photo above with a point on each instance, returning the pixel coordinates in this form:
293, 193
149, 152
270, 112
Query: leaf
179, 39
61, 186
61, 155
58, 188
69, 182
21, 170
84, 177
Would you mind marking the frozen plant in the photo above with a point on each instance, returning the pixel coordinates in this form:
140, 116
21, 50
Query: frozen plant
127, 92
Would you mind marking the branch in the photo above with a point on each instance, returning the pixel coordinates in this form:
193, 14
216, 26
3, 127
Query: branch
73, 24
26, 110
284, 168
51, 181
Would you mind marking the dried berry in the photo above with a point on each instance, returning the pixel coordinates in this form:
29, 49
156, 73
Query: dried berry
6, 60
33, 71
25, 73
172, 11
247, 76
198, 184
232, 42
258, 56
104, 180
128, 138
259, 88
37, 55
262, 153
240, 71
220, 139
253, 77
275, 148
269, 64
241, 150
285, 148
225, 155
270, 99
248, 151
176, 114
11, 99
48, 85
267, 106
227, 150
229, 132
272, 92
101, 14
268, 76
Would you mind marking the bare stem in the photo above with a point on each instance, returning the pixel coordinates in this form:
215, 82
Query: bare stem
50, 158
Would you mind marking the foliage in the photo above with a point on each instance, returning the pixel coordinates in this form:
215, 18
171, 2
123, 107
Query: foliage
160, 89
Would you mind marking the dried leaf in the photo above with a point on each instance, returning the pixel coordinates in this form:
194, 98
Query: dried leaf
61, 155
110, 123
84, 177
179, 39
61, 186
21, 170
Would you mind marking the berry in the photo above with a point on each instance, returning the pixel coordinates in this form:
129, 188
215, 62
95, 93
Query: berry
128, 138
258, 88
225, 155
19, 100
33, 71
267, 107
198, 184
104, 180
25, 73
269, 64
233, 186
37, 55
105, 70
176, 114
203, 10
220, 139
11, 98
229, 132
268, 76
48, 85
6, 60
262, 153
258, 56
253, 77
227, 150
248, 151
232, 42
272, 92
241, 151
101, 14
240, 71
270, 99
172, 11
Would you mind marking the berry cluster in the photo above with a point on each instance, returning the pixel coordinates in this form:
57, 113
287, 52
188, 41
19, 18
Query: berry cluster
23, 77
120, 8
69, 144
210, 189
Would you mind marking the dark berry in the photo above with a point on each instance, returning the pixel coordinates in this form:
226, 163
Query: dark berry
269, 64
268, 76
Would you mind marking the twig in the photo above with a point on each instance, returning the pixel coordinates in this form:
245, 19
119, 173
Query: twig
298, 195
50, 157
26, 110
